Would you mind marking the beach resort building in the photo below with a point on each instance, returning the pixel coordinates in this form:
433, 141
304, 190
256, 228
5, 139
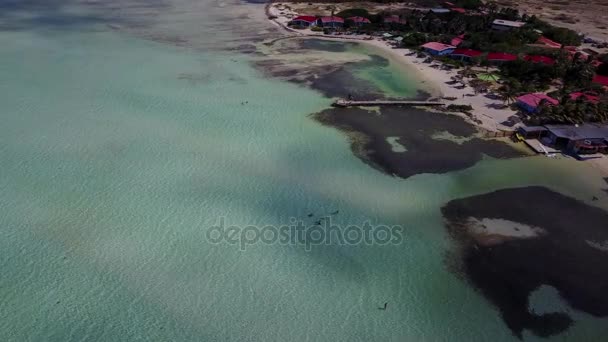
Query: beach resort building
506, 25
330, 22
440, 10
588, 97
465, 55
438, 49
548, 42
358, 21
457, 40
602, 80
303, 21
581, 139
531, 102
394, 20
540, 59
501, 57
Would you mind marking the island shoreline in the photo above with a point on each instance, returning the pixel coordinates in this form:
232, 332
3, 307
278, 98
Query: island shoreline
486, 112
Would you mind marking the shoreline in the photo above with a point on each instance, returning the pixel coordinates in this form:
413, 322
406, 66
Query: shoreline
487, 110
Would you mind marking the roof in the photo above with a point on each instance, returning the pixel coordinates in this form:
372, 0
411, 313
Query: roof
489, 77
534, 99
449, 4
306, 18
458, 9
603, 80
457, 40
331, 20
539, 59
587, 97
360, 20
584, 131
466, 52
394, 19
548, 42
440, 10
501, 56
508, 23
437, 46
533, 129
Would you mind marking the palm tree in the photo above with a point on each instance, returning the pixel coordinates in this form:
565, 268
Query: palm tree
602, 112
509, 91
467, 71
492, 8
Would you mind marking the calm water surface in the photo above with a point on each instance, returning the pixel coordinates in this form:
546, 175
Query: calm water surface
119, 150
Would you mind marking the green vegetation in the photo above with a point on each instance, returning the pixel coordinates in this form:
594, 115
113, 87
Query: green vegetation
469, 4
603, 69
414, 39
568, 73
354, 12
571, 112
559, 34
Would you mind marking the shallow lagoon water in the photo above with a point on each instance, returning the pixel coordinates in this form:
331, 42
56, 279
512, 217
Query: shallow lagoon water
117, 154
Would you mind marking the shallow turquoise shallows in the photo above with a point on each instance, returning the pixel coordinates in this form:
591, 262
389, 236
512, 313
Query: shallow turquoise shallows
117, 155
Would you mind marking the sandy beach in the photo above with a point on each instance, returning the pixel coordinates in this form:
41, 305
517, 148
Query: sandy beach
488, 112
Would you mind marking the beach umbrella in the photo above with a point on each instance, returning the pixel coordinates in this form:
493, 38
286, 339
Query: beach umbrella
489, 77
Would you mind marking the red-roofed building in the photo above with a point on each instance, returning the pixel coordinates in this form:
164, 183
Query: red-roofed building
531, 102
458, 10
540, 59
593, 98
465, 54
548, 42
394, 19
501, 57
438, 49
457, 40
303, 21
449, 4
359, 21
331, 22
599, 79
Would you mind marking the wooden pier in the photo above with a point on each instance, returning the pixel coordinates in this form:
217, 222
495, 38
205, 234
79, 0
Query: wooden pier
370, 103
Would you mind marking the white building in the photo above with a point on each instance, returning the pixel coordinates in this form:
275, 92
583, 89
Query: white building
505, 25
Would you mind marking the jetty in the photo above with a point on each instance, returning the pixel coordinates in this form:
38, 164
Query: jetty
351, 103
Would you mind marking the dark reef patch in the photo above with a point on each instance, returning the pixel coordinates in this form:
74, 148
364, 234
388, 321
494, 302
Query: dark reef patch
432, 142
571, 255
416, 130
341, 83
330, 80
334, 80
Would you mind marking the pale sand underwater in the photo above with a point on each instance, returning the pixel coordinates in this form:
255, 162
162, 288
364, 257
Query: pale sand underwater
124, 138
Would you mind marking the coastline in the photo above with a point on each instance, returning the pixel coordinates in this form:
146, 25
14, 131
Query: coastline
487, 113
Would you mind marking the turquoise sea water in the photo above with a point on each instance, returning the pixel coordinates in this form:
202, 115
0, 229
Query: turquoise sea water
116, 156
